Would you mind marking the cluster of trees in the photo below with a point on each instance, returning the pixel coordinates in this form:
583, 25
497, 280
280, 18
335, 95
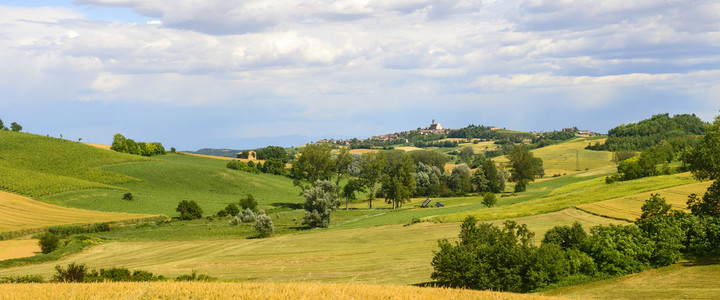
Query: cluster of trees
247, 213
124, 145
505, 259
13, 126
439, 144
482, 132
271, 166
678, 130
550, 138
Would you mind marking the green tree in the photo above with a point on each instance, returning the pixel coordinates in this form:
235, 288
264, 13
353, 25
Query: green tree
704, 159
351, 187
189, 210
709, 204
567, 237
466, 154
372, 166
2, 125
315, 163
489, 199
320, 201
524, 167
48, 242
269, 152
478, 180
398, 181
342, 161
460, 181
495, 180
15, 127
248, 202
232, 209
661, 226
431, 158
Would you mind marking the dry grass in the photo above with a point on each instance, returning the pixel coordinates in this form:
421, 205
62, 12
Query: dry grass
224, 290
18, 248
21, 213
361, 151
101, 146
628, 207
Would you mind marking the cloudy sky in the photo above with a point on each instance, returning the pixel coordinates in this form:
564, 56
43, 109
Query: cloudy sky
244, 74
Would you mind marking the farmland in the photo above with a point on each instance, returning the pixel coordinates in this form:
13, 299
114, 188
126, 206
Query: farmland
379, 246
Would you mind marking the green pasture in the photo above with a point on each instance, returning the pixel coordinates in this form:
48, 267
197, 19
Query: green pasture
393, 254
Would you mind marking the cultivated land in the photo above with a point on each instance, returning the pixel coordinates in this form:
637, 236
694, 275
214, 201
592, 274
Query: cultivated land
378, 246
19, 213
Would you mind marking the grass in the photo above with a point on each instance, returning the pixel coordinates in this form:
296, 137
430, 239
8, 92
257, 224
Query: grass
393, 254
21, 213
171, 178
578, 193
628, 207
563, 157
244, 290
693, 279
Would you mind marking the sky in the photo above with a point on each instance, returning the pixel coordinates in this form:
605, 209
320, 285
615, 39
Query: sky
245, 74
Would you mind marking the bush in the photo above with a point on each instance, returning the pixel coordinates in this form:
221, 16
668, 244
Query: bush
128, 197
618, 249
73, 273
194, 277
232, 209
264, 225
189, 210
248, 216
48, 242
320, 201
22, 279
248, 202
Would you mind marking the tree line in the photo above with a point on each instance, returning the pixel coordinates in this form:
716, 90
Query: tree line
678, 130
124, 145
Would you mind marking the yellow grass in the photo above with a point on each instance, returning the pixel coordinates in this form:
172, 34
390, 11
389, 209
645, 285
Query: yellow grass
361, 151
18, 248
101, 146
563, 157
408, 148
20, 213
628, 207
225, 290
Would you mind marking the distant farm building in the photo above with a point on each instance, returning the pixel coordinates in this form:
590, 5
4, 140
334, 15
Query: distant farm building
250, 155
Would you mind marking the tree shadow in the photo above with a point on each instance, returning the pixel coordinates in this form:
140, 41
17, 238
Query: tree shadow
700, 261
289, 205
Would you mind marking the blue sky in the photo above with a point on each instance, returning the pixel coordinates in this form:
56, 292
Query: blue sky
245, 74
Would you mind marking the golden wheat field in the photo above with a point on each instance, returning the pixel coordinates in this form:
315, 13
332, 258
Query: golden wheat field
20, 213
225, 290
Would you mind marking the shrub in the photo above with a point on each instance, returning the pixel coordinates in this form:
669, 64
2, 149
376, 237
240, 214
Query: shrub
189, 210
264, 225
48, 242
22, 279
73, 273
248, 202
222, 213
128, 196
194, 277
248, 216
320, 201
489, 199
232, 209
235, 221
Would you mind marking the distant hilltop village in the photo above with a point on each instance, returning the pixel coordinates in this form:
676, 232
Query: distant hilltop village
434, 128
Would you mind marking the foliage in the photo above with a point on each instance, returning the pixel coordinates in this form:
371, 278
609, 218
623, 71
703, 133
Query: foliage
124, 145
65, 231
264, 225
315, 163
486, 133
242, 166
430, 158
350, 188
619, 156
189, 210
22, 279
116, 274
15, 127
646, 133
195, 277
428, 180
248, 216
73, 273
618, 249
664, 229
372, 165
320, 201
248, 202
48, 242
524, 167
567, 237
494, 178
397, 180
704, 159
272, 152
489, 199
460, 181
232, 209
485, 257
128, 196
